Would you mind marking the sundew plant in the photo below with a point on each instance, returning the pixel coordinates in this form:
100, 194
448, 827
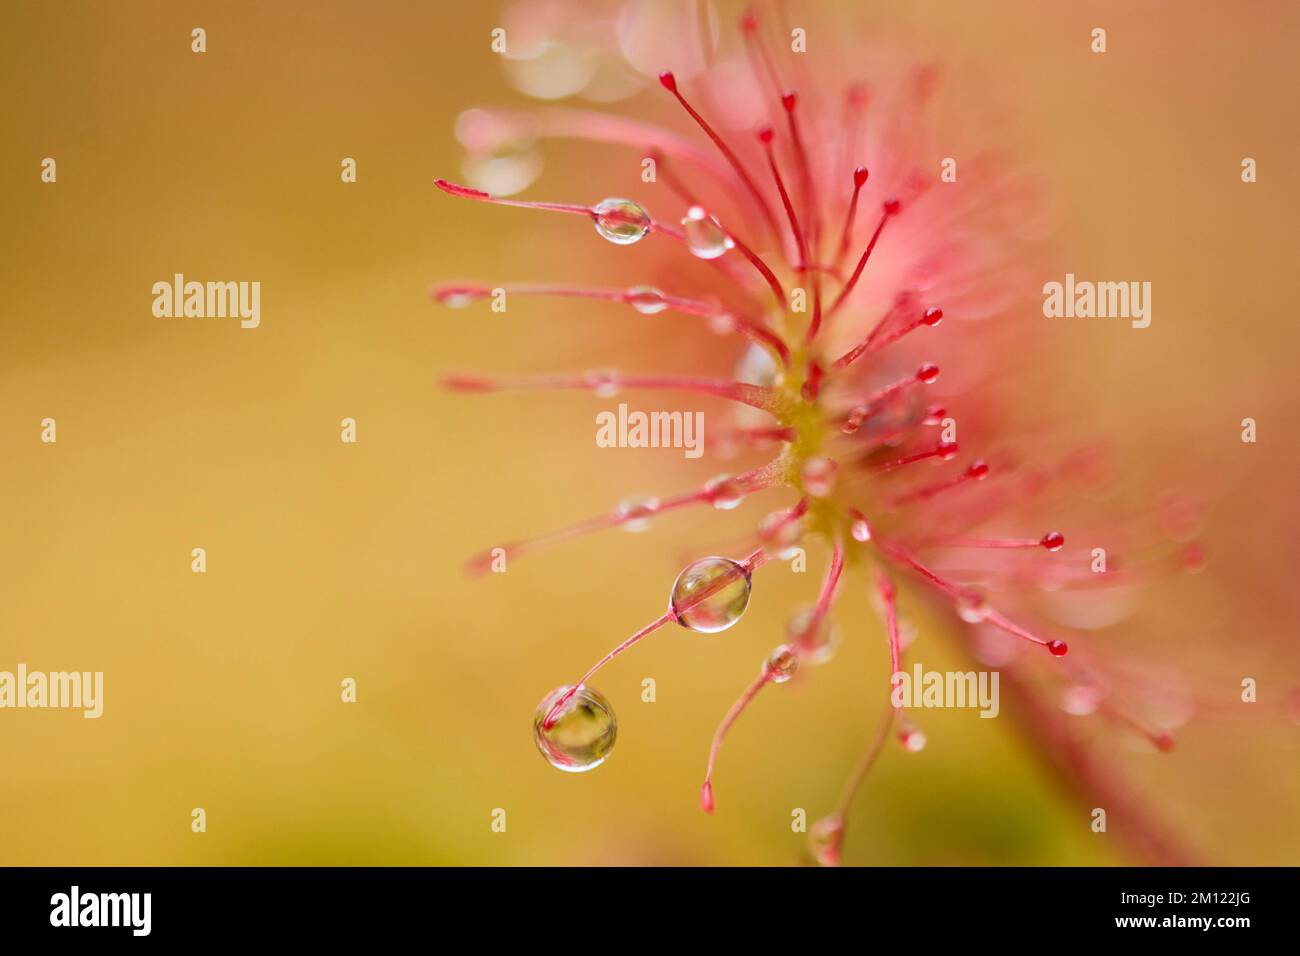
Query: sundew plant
871, 300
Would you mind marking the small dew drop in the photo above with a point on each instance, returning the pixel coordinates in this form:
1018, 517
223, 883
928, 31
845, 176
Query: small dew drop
459, 297
1053, 541
779, 533
603, 382
1081, 700
710, 595
913, 740
635, 513
705, 236
721, 323
621, 221
646, 299
1058, 648
934, 415
860, 528
973, 607
781, 664
816, 645
756, 366
581, 735
819, 476
724, 492
854, 420
825, 840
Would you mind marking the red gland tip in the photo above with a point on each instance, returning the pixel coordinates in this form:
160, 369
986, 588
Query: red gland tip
932, 317
1053, 541
1164, 741
466, 383
860, 176
927, 373
464, 192
668, 80
892, 207
454, 294
706, 797
1193, 558
946, 450
978, 469
765, 134
749, 21
1058, 648
790, 100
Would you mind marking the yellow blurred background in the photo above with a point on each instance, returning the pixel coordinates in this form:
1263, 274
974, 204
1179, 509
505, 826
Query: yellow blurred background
328, 560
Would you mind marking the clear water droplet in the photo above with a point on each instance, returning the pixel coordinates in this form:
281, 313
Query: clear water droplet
646, 299
705, 236
818, 645
635, 513
973, 607
779, 533
603, 382
819, 476
907, 632
913, 740
781, 664
722, 323
710, 594
756, 366
1081, 700
582, 734
457, 298
621, 221
724, 492
826, 838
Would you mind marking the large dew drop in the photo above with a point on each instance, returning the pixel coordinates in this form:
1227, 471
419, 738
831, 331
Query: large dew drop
583, 733
621, 221
705, 236
710, 594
